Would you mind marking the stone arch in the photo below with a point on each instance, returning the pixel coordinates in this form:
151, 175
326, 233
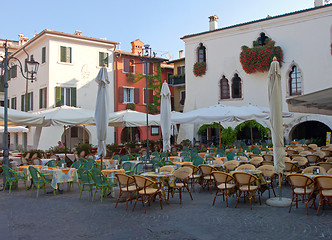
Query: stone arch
74, 136
291, 126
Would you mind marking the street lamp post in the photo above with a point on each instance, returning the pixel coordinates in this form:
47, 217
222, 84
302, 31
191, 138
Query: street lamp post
32, 68
147, 57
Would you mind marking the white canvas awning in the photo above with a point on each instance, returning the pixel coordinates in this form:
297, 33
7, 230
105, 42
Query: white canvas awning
16, 117
130, 118
14, 129
319, 102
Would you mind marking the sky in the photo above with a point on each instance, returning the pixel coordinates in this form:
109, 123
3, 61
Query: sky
158, 23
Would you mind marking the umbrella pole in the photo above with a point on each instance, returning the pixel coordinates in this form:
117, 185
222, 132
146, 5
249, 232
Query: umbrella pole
279, 186
251, 137
64, 131
219, 136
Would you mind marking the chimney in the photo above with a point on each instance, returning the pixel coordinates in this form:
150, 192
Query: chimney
78, 33
22, 40
213, 23
318, 3
181, 54
137, 46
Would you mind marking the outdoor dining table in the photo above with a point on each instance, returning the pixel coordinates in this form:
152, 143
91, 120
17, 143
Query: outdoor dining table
107, 163
23, 170
60, 175
166, 179
107, 172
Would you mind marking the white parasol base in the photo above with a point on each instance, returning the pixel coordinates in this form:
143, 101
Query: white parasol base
279, 202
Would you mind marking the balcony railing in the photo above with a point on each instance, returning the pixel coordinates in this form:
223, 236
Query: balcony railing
177, 79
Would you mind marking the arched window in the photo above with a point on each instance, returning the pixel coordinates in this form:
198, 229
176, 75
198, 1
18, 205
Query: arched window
261, 39
224, 88
295, 81
201, 53
236, 86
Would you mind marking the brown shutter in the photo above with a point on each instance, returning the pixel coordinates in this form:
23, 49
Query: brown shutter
120, 94
126, 65
150, 92
136, 95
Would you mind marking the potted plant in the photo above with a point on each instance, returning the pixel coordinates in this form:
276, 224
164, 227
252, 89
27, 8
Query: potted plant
199, 69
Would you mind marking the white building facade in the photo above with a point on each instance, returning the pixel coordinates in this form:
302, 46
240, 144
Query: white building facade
305, 38
69, 64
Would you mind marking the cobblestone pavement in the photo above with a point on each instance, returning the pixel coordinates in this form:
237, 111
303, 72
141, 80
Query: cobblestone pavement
64, 216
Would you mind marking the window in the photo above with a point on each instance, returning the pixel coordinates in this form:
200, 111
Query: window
224, 88
65, 96
236, 86
154, 130
43, 54
74, 132
169, 79
27, 106
150, 95
42, 97
261, 39
180, 70
128, 65
182, 97
65, 54
13, 71
150, 68
103, 59
128, 95
13, 103
295, 81
201, 53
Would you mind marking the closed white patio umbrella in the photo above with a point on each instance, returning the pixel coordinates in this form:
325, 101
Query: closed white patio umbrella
102, 112
165, 116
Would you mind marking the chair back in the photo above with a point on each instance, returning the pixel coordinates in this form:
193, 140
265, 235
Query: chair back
299, 180
168, 162
192, 167
206, 169
313, 146
7, 171
184, 154
299, 149
256, 161
88, 165
34, 156
305, 153
301, 161
268, 157
231, 165
246, 167
287, 159
243, 178
97, 176
324, 182
198, 161
267, 163
142, 182
82, 154
59, 164
168, 169
183, 173
90, 156
138, 168
267, 170
256, 150
35, 174
290, 167
217, 161
125, 158
329, 171
27, 156
326, 165
230, 155
116, 157
36, 161
76, 164
84, 175
124, 179
126, 166
221, 177
310, 170
51, 163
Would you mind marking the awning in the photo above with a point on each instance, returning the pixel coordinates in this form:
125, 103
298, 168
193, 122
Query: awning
319, 102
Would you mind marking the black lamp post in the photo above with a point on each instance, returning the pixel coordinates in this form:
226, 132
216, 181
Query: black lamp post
147, 57
32, 68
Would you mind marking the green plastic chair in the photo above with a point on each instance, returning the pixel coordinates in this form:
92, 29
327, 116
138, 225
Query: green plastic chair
125, 158
187, 159
127, 167
256, 150
59, 164
230, 156
12, 178
51, 163
198, 160
155, 153
156, 164
85, 180
184, 154
83, 160
100, 183
88, 165
76, 164
168, 162
39, 180
163, 155
138, 168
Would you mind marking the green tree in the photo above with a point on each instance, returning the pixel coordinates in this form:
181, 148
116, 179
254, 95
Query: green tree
228, 136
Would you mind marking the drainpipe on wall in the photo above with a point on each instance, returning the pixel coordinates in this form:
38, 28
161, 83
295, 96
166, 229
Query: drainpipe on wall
115, 92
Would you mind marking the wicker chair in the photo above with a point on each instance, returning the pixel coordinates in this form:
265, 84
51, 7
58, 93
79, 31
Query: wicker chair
167, 168
324, 184
195, 176
126, 186
301, 187
302, 162
287, 159
245, 184
269, 175
231, 165
206, 177
326, 165
245, 167
36, 161
256, 161
146, 192
181, 181
310, 170
222, 182
268, 157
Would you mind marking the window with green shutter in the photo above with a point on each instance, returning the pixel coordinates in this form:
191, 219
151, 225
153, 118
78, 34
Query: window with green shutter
30, 101
13, 103
42, 97
65, 96
13, 71
103, 59
22, 102
43, 54
65, 54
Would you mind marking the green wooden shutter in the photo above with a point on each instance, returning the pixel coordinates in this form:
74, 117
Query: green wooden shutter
22, 102
40, 98
106, 59
73, 96
58, 99
101, 59
30, 102
43, 54
68, 54
63, 54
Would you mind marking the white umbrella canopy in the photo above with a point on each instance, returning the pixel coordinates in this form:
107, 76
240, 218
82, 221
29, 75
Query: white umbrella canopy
16, 117
102, 110
66, 115
130, 118
275, 101
14, 129
165, 116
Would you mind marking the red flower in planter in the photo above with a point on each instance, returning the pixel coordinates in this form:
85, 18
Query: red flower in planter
199, 69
